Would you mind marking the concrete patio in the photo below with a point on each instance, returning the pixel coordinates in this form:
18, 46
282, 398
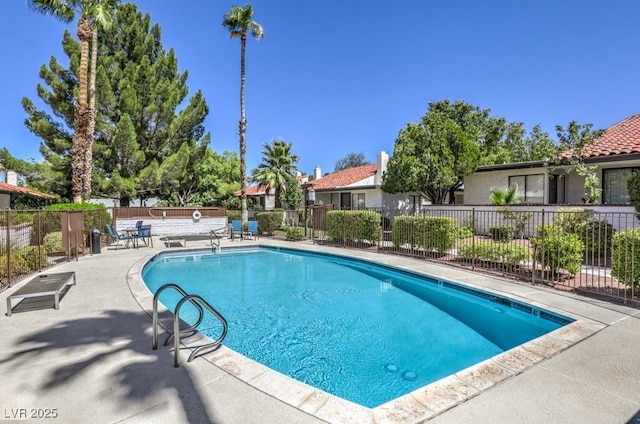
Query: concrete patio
91, 360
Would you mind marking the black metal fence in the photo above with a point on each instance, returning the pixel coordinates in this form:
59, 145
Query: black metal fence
585, 251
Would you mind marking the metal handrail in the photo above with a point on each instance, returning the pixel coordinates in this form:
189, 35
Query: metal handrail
215, 244
199, 303
154, 316
176, 327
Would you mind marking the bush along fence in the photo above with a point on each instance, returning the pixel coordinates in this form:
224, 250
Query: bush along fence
33, 240
590, 252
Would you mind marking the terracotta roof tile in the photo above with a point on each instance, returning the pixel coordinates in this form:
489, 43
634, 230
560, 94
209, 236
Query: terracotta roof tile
254, 190
10, 188
619, 139
345, 177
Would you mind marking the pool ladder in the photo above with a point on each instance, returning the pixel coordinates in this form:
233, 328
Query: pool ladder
199, 303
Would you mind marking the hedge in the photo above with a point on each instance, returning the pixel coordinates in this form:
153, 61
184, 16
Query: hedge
429, 233
625, 261
507, 253
354, 225
270, 221
560, 250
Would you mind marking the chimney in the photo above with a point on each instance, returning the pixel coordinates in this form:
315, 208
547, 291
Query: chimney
317, 173
12, 178
383, 159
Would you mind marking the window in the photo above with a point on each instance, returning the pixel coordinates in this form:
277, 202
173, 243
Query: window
530, 187
345, 200
335, 199
614, 185
416, 203
357, 201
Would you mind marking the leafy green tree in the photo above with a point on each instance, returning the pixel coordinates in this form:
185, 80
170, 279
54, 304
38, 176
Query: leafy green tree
350, 160
219, 179
573, 141
278, 163
293, 195
239, 22
433, 156
93, 13
138, 126
516, 146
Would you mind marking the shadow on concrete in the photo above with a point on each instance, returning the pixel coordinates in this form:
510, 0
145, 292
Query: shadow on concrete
118, 341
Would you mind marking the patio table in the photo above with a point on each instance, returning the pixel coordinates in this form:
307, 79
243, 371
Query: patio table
44, 285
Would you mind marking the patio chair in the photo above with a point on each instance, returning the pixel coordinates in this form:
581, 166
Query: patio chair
252, 230
125, 237
236, 227
144, 234
138, 224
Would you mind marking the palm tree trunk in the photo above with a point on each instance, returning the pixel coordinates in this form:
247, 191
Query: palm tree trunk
91, 125
81, 118
242, 132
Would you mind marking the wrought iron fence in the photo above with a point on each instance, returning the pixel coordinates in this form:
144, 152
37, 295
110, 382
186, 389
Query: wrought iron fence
586, 251
33, 240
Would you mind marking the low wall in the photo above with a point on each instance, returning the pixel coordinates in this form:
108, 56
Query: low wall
19, 235
177, 226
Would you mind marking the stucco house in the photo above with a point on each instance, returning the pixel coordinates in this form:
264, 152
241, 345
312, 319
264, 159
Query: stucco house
10, 190
616, 153
360, 187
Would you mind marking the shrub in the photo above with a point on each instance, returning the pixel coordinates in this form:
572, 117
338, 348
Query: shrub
17, 263
405, 231
625, 261
508, 253
295, 233
429, 233
15, 217
633, 187
558, 249
53, 242
596, 235
502, 233
354, 225
233, 215
572, 220
34, 256
268, 222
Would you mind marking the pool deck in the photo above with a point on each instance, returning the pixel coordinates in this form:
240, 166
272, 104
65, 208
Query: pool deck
92, 361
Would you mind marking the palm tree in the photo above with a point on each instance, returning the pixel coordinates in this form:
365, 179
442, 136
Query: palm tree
505, 197
238, 22
277, 166
92, 13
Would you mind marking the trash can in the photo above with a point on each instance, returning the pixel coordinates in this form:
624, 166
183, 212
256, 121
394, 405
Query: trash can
95, 241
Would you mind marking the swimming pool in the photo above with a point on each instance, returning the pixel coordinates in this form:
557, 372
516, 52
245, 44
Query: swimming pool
349, 327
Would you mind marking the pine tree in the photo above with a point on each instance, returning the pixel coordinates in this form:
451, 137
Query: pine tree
138, 128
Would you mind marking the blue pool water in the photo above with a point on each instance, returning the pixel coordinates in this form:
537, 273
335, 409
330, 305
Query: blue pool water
364, 332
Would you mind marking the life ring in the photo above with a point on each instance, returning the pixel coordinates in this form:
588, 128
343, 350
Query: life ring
197, 215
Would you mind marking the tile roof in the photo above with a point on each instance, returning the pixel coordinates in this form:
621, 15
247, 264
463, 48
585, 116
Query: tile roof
261, 189
619, 139
254, 190
345, 177
10, 188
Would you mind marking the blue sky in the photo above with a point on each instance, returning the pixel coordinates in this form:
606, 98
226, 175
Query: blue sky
340, 76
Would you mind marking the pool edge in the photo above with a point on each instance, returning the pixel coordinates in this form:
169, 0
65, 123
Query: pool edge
416, 406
